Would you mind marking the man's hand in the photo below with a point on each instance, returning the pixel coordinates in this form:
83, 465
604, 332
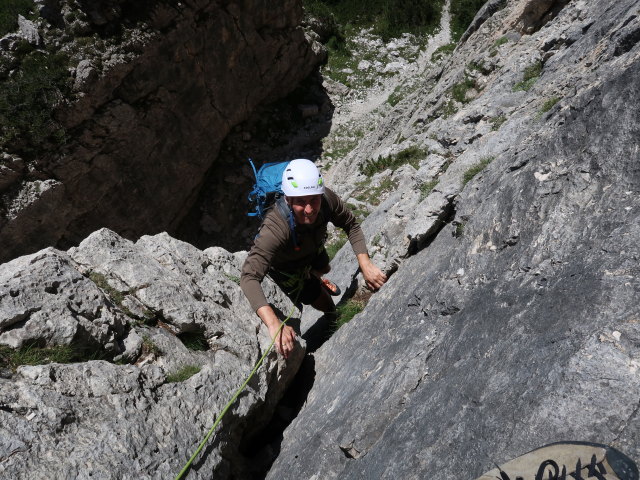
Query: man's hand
373, 276
285, 338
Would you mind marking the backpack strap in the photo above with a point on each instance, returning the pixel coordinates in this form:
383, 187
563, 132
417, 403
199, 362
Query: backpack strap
287, 214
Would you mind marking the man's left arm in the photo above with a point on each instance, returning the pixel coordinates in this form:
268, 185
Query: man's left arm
343, 218
373, 276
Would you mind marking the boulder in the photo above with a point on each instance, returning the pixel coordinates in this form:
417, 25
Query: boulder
136, 316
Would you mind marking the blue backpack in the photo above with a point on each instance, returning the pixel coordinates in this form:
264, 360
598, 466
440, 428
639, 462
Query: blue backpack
267, 191
268, 187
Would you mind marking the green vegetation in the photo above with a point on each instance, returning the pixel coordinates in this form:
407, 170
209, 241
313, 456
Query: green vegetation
459, 90
548, 105
117, 297
462, 14
349, 309
340, 58
459, 231
427, 188
33, 355
500, 41
443, 51
334, 247
338, 21
28, 100
395, 97
373, 195
9, 11
476, 66
101, 281
476, 169
194, 341
497, 122
530, 76
493, 51
360, 212
183, 374
149, 347
346, 311
234, 278
389, 18
447, 109
411, 156
345, 140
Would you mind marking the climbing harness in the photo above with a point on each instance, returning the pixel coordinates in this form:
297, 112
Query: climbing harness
239, 391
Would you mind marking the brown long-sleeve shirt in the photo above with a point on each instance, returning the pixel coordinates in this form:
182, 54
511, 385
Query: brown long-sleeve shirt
274, 246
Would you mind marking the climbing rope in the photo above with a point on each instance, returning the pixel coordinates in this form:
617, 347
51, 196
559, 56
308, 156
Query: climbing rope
235, 396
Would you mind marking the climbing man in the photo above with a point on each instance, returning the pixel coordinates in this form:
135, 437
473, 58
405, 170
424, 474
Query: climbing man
290, 249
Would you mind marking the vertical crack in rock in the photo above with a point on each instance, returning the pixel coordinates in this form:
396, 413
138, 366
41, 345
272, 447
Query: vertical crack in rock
420, 242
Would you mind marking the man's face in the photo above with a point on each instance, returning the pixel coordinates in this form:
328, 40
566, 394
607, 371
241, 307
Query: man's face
305, 209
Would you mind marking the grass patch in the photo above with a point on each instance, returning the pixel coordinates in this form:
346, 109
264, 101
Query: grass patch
530, 76
496, 122
426, 188
9, 11
389, 18
149, 347
476, 169
235, 279
344, 141
445, 110
500, 41
28, 100
443, 51
33, 354
101, 281
347, 311
373, 195
117, 298
359, 212
459, 231
459, 90
493, 50
548, 105
334, 247
340, 58
183, 374
396, 96
411, 156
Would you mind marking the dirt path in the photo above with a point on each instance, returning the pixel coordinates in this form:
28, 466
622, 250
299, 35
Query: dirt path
357, 110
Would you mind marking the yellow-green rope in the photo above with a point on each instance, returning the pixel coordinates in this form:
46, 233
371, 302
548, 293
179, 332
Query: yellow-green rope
233, 399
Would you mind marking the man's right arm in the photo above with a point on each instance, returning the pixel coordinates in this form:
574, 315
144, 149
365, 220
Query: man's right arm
254, 270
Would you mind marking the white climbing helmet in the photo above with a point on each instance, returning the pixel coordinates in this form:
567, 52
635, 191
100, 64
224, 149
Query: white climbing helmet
302, 178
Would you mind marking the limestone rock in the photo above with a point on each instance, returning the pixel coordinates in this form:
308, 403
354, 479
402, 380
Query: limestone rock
119, 420
514, 323
152, 103
28, 30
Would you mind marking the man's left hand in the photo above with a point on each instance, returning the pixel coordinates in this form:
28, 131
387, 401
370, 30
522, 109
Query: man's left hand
373, 276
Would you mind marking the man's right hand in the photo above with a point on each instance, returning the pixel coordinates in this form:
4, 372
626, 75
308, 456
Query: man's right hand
285, 338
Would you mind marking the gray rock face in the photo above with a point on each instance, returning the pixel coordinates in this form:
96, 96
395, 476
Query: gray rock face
149, 112
517, 324
136, 303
